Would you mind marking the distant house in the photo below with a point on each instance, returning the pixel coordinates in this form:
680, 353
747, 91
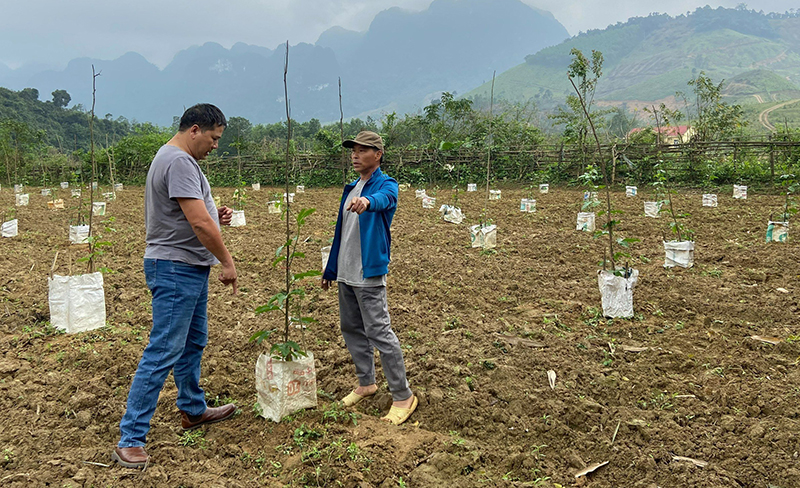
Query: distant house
680, 134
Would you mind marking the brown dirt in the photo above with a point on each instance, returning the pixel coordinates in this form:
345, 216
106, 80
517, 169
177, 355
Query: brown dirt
479, 332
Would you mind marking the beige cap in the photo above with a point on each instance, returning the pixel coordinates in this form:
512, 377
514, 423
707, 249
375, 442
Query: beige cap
365, 138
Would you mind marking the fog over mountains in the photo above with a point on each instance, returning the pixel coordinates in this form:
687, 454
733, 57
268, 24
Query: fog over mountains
399, 63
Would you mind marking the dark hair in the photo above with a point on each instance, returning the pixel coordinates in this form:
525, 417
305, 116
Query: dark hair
204, 115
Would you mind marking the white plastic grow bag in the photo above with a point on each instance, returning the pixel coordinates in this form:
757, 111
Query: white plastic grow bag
709, 199
451, 214
256, 186
285, 387
78, 234
428, 202
777, 231
237, 219
118, 186
110, 196
326, 253
472, 187
484, 237
17, 188
616, 293
64, 185
9, 228
652, 209
494, 194
420, 193
94, 185
302, 189
274, 207
544, 188
291, 197
76, 193
77, 303
630, 191
527, 205
98, 209
46, 192
679, 253
590, 196
22, 199
585, 221
56, 204
740, 192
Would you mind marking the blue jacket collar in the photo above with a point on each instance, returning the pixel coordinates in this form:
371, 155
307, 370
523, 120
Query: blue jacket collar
375, 174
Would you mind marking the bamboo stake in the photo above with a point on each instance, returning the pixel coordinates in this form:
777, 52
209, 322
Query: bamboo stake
489, 145
286, 195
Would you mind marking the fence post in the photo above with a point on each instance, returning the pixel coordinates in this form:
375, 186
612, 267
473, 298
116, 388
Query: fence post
771, 161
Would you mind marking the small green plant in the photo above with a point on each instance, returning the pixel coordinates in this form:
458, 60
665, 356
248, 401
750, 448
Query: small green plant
303, 434
286, 254
240, 196
677, 227
192, 438
790, 185
589, 179
337, 414
455, 199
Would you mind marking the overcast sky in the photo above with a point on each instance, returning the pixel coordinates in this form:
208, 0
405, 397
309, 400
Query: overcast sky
54, 31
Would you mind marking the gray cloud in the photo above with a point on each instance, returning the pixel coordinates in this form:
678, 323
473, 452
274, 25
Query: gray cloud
54, 31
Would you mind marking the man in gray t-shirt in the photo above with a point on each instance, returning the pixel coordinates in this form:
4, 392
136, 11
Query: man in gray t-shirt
183, 242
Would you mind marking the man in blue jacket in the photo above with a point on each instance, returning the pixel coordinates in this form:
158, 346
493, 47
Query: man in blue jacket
359, 261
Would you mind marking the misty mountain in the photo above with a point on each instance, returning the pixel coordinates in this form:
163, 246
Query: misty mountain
650, 58
399, 63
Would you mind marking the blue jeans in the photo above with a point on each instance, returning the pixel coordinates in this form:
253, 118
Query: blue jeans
177, 339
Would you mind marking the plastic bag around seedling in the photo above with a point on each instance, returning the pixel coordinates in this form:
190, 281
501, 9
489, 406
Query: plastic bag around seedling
527, 205
420, 193
484, 237
544, 188
616, 293
285, 387
652, 209
237, 219
679, 253
451, 214
77, 303
472, 187
495, 194
428, 202
777, 231
586, 221
9, 228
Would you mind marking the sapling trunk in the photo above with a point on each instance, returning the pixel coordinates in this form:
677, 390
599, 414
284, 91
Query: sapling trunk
609, 221
286, 198
490, 141
94, 171
674, 218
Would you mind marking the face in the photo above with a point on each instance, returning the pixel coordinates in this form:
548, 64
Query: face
365, 159
204, 141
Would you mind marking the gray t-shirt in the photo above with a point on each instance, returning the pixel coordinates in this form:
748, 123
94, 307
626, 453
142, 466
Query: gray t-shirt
175, 174
351, 269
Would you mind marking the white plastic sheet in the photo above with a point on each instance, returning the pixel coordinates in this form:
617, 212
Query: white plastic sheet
237, 219
494, 194
679, 253
77, 303
709, 199
630, 191
585, 221
9, 228
285, 387
527, 205
256, 186
777, 231
98, 209
78, 234
740, 192
652, 209
544, 188
472, 187
617, 293
451, 214
484, 237
22, 199
428, 202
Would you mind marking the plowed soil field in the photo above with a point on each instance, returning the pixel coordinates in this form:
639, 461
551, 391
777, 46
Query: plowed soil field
680, 395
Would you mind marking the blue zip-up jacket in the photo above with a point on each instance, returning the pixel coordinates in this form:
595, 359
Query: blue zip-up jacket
374, 224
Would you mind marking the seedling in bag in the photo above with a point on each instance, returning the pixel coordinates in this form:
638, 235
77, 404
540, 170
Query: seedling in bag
677, 227
791, 186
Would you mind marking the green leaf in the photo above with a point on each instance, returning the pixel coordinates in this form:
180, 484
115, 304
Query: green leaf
260, 336
306, 274
278, 260
266, 308
298, 255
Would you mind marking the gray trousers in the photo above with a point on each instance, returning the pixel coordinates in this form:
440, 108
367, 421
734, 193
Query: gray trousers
365, 323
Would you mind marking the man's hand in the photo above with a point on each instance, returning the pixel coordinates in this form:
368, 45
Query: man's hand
358, 205
325, 284
228, 276
225, 215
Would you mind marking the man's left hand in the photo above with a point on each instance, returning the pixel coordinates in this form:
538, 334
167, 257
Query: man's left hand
358, 205
225, 215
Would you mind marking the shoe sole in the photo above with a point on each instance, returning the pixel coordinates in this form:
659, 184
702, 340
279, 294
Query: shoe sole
194, 427
115, 457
